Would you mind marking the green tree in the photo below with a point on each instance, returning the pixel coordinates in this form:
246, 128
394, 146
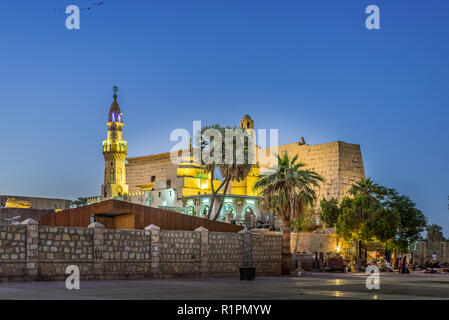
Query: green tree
287, 192
412, 221
330, 212
376, 213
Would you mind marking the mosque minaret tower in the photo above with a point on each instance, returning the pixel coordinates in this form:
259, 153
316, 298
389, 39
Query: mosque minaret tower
114, 151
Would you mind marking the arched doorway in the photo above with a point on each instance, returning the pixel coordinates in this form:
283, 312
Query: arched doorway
249, 216
228, 208
204, 210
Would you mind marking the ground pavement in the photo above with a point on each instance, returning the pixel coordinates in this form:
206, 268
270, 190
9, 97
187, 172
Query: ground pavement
310, 286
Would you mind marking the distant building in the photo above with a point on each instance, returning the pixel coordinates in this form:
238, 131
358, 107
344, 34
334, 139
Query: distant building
15, 209
38, 203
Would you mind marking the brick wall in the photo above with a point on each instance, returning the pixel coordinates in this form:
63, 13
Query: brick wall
33, 252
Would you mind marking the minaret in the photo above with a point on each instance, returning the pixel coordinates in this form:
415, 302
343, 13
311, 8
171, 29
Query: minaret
114, 151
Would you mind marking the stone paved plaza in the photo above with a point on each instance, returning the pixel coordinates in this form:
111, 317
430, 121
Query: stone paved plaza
309, 286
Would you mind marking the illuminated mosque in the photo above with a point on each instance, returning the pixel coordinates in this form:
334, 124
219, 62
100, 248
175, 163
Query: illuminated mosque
155, 181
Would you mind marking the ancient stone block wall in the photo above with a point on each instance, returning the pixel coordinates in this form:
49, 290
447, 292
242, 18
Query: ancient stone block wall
314, 242
338, 162
33, 252
225, 253
140, 170
265, 253
180, 253
126, 252
12, 252
59, 247
424, 250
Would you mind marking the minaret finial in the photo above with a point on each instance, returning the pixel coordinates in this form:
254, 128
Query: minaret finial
115, 89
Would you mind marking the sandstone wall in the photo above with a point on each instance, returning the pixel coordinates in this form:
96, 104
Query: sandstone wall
140, 170
424, 250
314, 242
39, 203
338, 162
33, 252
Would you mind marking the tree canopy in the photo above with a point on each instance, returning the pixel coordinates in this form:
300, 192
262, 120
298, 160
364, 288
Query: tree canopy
372, 212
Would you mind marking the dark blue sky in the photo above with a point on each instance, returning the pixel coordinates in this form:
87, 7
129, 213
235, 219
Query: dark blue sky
308, 68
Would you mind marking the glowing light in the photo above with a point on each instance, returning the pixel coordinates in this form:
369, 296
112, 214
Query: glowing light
338, 248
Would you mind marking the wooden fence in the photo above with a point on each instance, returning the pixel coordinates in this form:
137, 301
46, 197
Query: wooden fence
137, 217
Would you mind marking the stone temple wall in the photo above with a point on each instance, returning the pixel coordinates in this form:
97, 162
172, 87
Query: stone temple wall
140, 170
339, 163
31, 252
425, 249
314, 242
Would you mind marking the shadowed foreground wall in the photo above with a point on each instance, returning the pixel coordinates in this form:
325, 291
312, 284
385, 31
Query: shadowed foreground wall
34, 252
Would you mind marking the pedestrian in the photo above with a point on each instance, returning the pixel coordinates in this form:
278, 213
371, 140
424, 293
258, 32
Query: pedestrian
435, 260
405, 268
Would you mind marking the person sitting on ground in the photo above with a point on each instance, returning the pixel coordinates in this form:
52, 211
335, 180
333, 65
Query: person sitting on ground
388, 266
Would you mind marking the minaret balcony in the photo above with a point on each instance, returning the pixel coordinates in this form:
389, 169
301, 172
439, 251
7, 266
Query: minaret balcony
114, 147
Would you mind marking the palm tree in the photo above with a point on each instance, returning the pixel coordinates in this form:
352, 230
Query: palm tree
287, 192
80, 201
228, 171
368, 188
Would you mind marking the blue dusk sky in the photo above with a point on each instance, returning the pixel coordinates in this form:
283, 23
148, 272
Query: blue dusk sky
307, 68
